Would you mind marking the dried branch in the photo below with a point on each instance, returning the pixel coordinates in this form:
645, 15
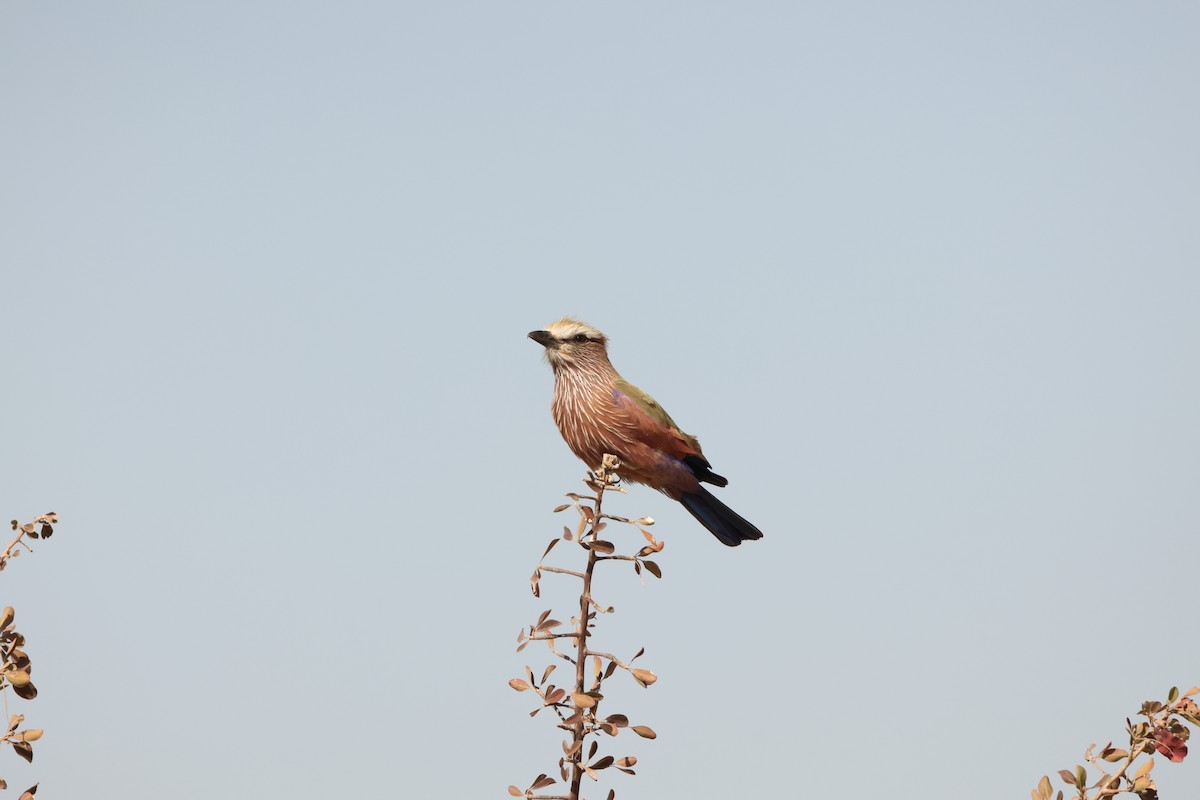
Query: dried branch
577, 709
1163, 731
15, 667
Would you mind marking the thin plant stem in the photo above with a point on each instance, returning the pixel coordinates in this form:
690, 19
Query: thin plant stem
579, 730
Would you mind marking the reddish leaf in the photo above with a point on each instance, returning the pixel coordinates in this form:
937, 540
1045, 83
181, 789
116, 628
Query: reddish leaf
1169, 745
519, 685
645, 731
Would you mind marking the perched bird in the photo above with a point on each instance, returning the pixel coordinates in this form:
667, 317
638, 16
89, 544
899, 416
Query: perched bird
598, 412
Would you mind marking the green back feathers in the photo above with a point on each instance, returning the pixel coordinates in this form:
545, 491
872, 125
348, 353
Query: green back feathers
653, 410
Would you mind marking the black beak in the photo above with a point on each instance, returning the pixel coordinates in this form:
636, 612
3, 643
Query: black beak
544, 338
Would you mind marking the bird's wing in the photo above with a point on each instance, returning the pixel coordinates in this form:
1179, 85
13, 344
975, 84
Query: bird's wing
654, 423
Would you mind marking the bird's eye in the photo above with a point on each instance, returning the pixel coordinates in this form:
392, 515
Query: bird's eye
580, 337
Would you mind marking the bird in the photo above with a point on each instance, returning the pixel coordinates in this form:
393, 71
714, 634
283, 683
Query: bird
597, 411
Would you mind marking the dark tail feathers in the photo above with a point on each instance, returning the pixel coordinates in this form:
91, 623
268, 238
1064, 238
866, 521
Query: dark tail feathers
723, 521
703, 471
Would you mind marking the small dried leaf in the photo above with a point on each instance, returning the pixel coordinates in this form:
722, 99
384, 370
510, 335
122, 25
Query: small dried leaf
1114, 755
519, 685
1067, 776
644, 731
643, 676
556, 696
550, 547
546, 674
28, 527
583, 700
549, 624
28, 793
654, 568
627, 761
47, 531
6, 617
542, 782
31, 735
612, 793
1144, 769
24, 750
603, 763
567, 533
620, 720
515, 792
1173, 695
603, 547
563, 507
1044, 788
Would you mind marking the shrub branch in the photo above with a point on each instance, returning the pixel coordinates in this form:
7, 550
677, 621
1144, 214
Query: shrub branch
577, 711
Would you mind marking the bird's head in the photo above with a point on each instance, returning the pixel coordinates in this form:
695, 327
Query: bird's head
569, 342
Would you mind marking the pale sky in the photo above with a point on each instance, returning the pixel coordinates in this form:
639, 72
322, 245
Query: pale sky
922, 277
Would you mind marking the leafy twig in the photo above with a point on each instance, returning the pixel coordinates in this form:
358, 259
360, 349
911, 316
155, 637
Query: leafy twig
577, 709
1163, 731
